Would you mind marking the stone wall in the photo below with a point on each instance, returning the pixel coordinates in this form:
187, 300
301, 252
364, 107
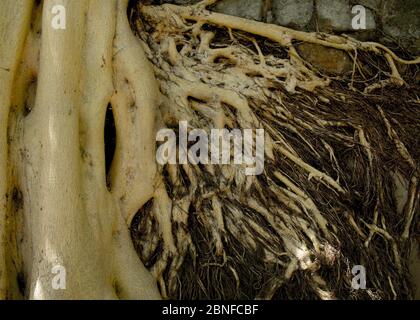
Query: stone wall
387, 21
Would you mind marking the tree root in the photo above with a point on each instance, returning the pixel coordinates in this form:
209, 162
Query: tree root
325, 195
324, 203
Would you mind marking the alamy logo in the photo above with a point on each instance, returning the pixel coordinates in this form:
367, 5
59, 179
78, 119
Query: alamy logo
59, 280
359, 20
359, 280
59, 20
214, 149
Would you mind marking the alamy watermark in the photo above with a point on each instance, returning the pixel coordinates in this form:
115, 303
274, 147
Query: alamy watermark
59, 281
215, 149
359, 20
58, 22
359, 280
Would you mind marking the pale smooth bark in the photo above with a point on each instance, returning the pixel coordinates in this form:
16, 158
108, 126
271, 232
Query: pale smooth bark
70, 218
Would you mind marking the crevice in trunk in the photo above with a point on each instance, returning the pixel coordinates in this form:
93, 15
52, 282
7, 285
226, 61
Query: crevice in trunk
110, 136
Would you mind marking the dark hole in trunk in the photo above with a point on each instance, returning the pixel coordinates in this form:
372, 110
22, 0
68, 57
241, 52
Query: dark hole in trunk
110, 138
21, 281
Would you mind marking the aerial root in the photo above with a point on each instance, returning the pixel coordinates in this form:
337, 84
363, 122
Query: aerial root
282, 35
324, 201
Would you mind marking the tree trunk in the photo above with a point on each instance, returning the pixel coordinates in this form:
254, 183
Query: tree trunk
56, 85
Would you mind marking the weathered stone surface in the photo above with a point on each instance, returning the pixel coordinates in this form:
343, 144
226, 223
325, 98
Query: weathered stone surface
402, 22
292, 13
250, 9
336, 15
328, 60
370, 4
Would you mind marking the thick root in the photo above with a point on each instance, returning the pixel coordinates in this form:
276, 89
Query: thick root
323, 203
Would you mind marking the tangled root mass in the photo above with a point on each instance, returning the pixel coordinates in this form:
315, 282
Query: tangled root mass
340, 184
